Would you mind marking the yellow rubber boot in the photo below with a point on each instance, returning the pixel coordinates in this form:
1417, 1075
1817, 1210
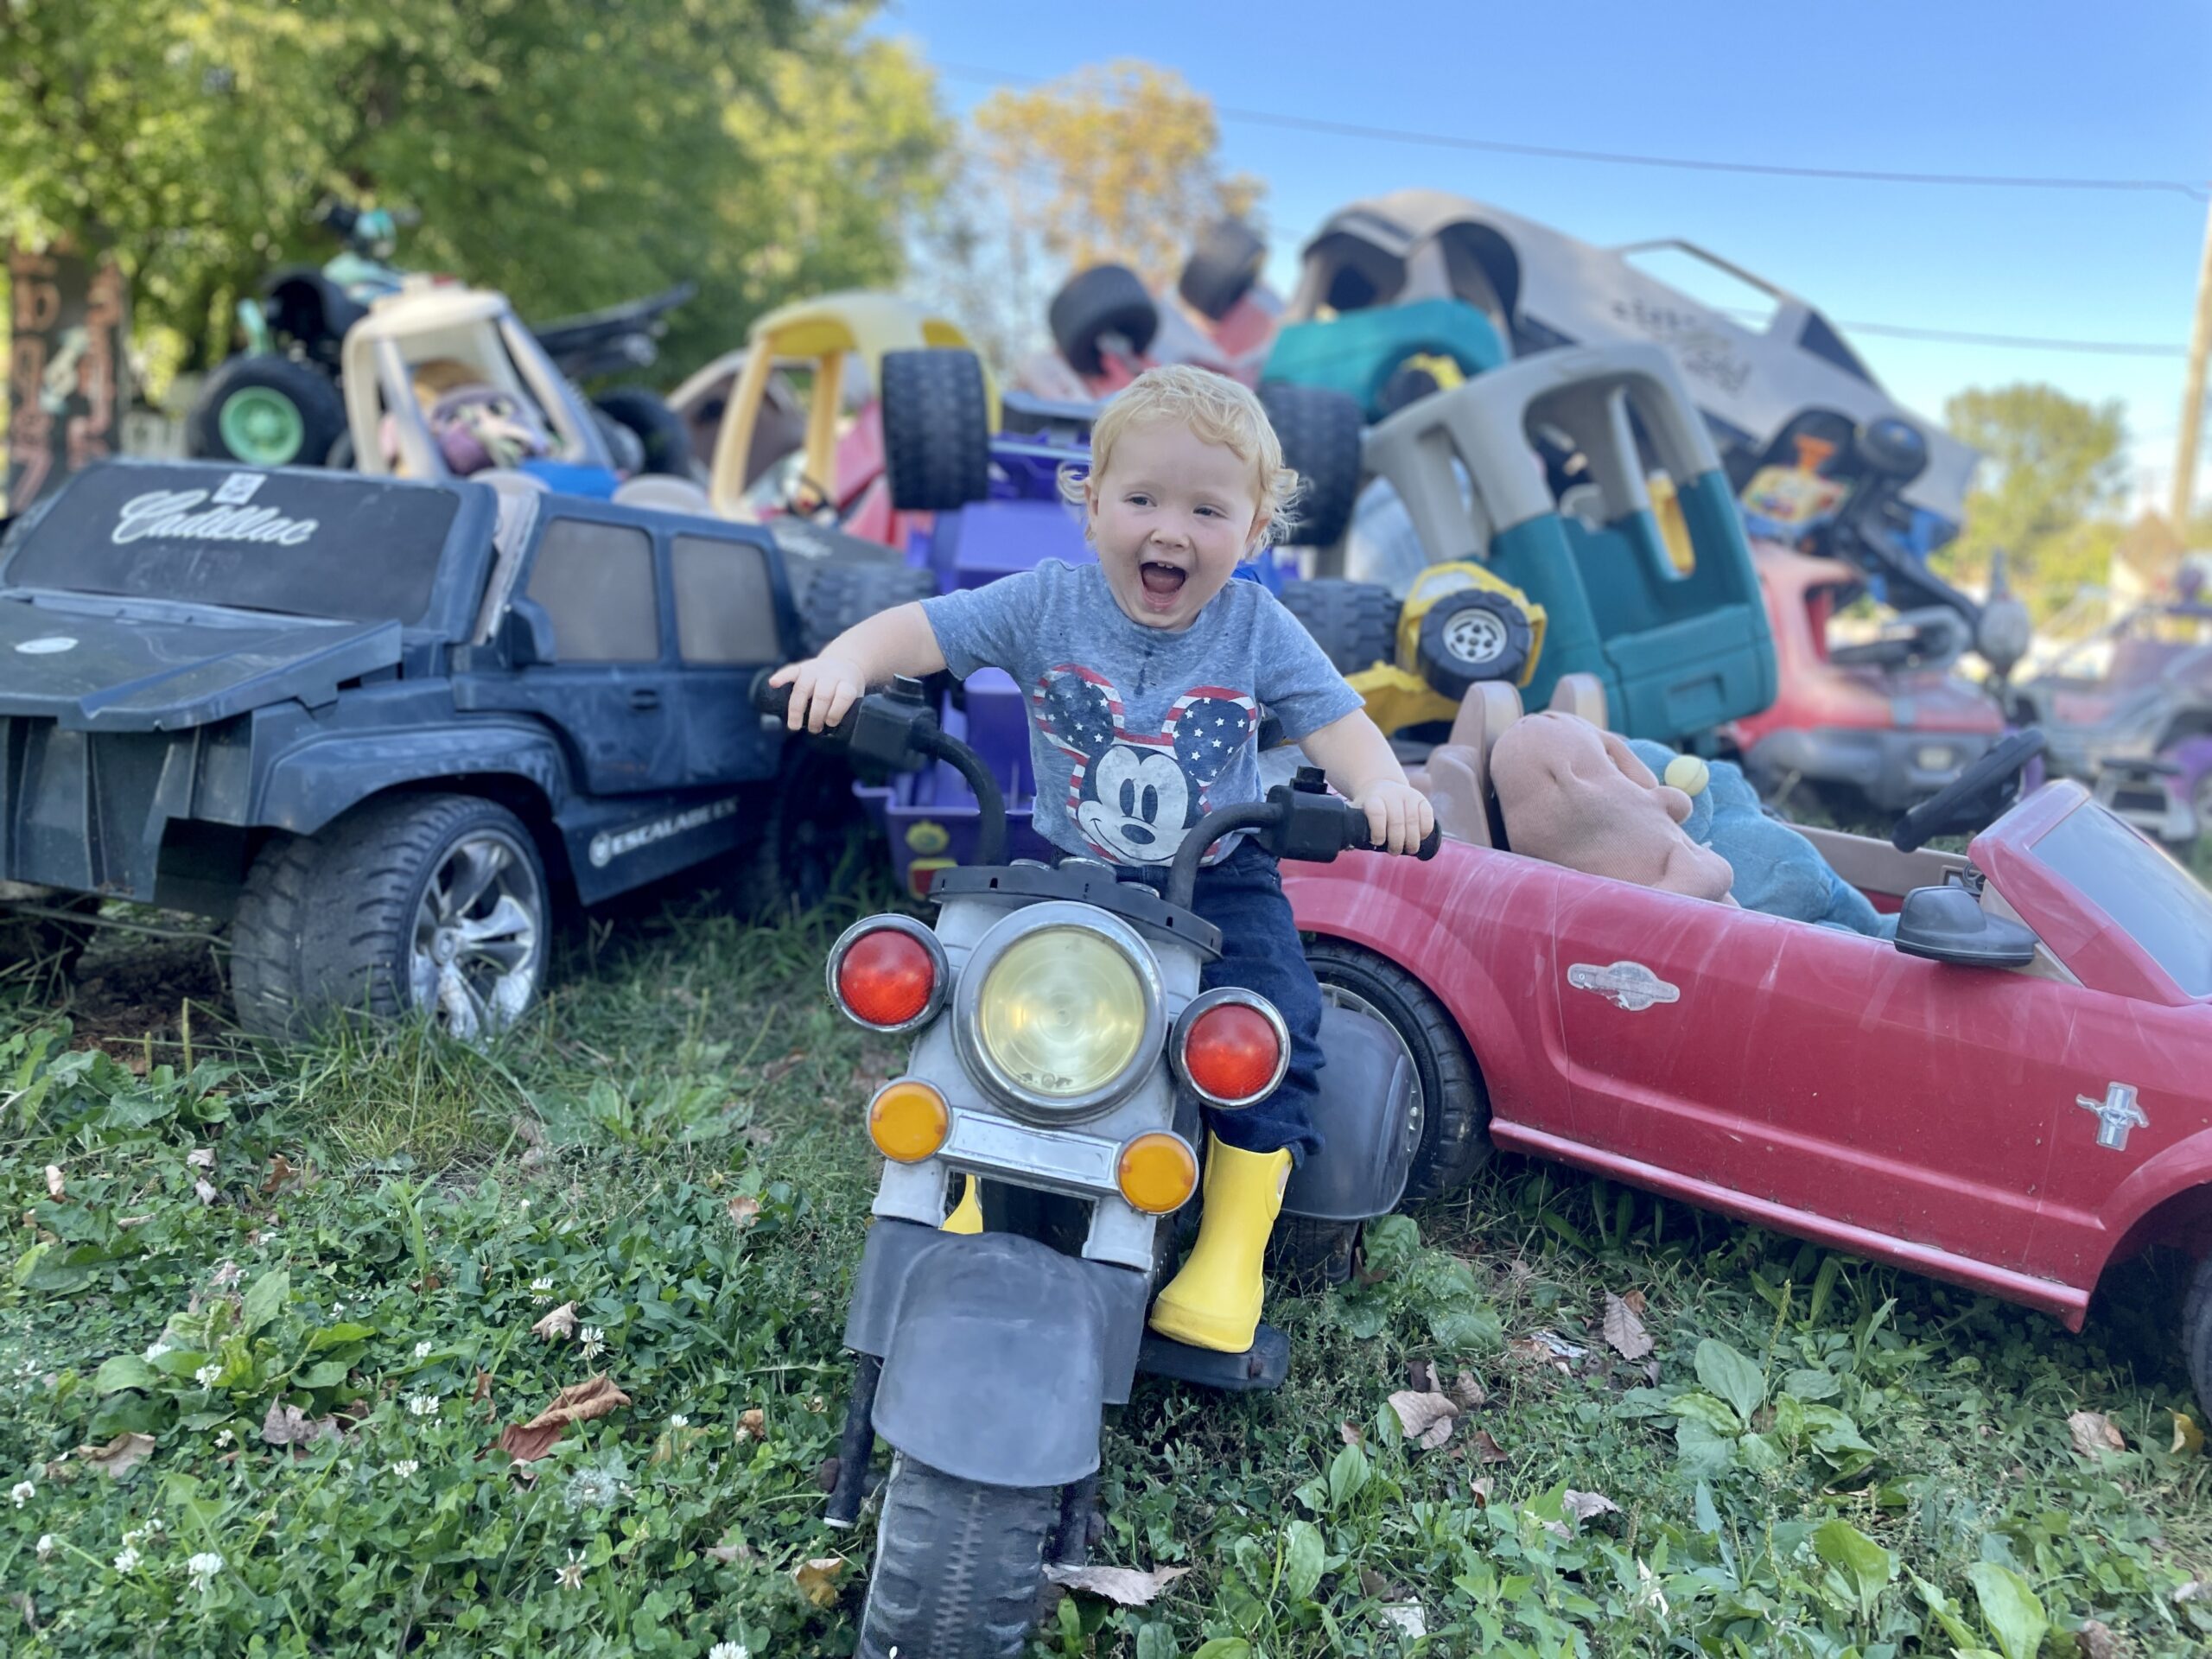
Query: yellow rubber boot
967, 1216
1214, 1302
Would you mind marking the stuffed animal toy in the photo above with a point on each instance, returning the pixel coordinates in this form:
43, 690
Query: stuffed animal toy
1576, 795
1777, 869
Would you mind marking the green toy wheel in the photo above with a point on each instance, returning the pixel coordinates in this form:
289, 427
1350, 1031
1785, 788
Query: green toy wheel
266, 412
262, 425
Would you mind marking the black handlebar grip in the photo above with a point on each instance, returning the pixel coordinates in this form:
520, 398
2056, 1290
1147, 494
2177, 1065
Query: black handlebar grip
1358, 841
771, 699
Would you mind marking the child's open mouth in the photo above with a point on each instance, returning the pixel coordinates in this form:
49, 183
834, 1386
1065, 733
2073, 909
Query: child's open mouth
1162, 582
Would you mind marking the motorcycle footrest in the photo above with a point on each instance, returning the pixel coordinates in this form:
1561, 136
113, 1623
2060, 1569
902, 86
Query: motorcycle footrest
1261, 1366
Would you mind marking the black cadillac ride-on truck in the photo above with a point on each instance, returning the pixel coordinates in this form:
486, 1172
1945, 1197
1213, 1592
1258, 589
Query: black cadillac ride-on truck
378, 726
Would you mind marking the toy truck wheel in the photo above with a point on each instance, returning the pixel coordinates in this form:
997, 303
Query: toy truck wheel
2196, 1332
958, 1566
841, 594
936, 430
1222, 268
1451, 1108
1319, 429
1469, 636
660, 432
1306, 1254
431, 904
1354, 622
810, 842
265, 411
1104, 299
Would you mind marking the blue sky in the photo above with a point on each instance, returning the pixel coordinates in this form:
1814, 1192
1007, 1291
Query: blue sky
2027, 88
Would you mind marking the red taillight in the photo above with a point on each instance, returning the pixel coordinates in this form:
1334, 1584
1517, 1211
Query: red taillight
887, 977
1232, 1053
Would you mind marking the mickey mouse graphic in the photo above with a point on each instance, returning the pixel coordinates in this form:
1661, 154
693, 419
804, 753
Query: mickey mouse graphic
1135, 795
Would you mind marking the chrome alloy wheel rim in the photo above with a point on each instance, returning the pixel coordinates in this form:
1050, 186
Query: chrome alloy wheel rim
473, 956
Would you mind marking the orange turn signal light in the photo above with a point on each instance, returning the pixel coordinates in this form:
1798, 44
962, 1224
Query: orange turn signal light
1157, 1173
908, 1120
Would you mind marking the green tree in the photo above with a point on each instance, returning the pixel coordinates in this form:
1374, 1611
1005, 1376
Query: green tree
571, 153
2052, 474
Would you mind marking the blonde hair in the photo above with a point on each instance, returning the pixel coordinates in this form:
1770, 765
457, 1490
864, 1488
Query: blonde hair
1213, 408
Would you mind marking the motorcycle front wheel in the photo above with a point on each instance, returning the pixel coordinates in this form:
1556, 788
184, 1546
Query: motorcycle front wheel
959, 1566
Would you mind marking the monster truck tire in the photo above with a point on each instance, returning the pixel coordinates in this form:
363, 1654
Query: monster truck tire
328, 925
936, 430
625, 450
1319, 429
2196, 1332
958, 1566
1104, 299
1453, 1106
1355, 623
661, 434
1306, 1254
841, 594
265, 411
1222, 268
1472, 636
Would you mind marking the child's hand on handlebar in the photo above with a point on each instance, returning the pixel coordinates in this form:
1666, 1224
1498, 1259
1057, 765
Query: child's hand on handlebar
822, 690
1398, 815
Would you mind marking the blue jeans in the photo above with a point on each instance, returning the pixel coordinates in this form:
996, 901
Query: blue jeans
1242, 896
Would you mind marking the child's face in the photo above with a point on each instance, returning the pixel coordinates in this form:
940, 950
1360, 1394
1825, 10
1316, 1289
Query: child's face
1170, 516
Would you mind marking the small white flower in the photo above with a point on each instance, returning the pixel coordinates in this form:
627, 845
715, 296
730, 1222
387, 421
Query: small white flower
338, 1307
594, 1340
405, 1468
571, 1576
134, 1536
203, 1568
423, 1404
157, 1350
127, 1560
226, 1438
541, 1290
679, 1420
154, 1528
46, 1544
729, 1650
22, 1491
422, 1350
206, 1376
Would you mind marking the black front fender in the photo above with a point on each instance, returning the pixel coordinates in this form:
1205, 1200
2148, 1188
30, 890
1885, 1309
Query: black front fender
999, 1353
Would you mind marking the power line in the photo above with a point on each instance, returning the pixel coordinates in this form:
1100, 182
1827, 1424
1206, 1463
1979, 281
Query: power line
1958, 336
1619, 158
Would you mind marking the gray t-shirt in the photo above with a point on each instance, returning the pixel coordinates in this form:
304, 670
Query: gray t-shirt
1137, 733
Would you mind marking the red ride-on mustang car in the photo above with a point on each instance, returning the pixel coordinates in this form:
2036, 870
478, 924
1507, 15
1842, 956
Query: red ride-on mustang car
2014, 1096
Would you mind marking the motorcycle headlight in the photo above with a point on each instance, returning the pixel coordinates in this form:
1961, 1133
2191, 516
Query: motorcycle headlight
1065, 1015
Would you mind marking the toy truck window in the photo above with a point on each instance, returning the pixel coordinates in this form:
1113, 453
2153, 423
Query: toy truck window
346, 549
2146, 892
596, 582
725, 608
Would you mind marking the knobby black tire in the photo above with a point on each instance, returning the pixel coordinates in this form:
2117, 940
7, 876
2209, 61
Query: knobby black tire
958, 1566
1355, 623
1320, 428
936, 430
1222, 268
311, 391
841, 594
1306, 1254
2196, 1332
1455, 1128
664, 439
324, 925
1104, 299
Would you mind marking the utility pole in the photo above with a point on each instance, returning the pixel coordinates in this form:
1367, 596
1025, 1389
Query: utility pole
2192, 397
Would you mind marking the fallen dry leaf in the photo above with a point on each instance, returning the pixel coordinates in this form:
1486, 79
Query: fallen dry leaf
482, 1391
126, 1222
2188, 1437
1481, 1492
727, 1552
290, 1425
1407, 1616
752, 1425
1421, 1377
1583, 1505
227, 1273
744, 1210
200, 1158
2194, 1589
120, 1455
280, 1171
526, 1445
2095, 1435
1624, 1332
1467, 1393
205, 1190
560, 1322
1351, 1432
1125, 1586
2096, 1641
817, 1579
582, 1402
1374, 1585
827, 1472
54, 1188
1425, 1418
1634, 1300
1488, 1450
776, 1070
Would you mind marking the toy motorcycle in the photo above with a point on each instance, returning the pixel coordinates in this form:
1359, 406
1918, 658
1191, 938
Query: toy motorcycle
1063, 1052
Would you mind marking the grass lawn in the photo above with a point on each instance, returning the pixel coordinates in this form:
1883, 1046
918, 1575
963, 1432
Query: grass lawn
307, 1280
